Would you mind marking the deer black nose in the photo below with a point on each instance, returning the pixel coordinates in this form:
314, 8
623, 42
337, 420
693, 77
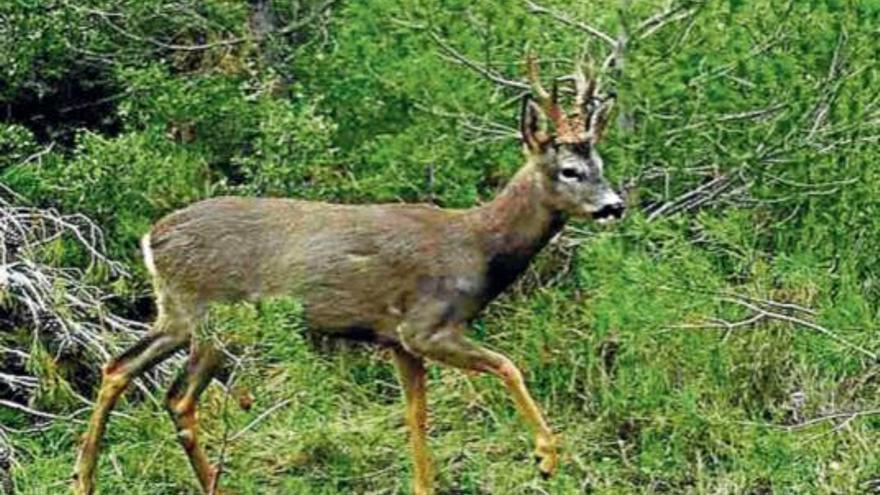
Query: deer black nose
613, 210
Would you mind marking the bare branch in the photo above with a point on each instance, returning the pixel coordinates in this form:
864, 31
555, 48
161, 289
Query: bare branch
265, 414
692, 199
486, 72
832, 86
764, 309
771, 41
41, 414
776, 304
226, 439
478, 128
801, 322
592, 31
55, 303
846, 416
658, 21
107, 18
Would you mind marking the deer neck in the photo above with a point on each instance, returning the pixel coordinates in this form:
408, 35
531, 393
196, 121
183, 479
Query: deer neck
515, 226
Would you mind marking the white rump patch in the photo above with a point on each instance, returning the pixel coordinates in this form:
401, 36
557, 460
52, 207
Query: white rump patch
148, 255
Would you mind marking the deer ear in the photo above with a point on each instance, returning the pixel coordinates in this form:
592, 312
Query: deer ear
529, 124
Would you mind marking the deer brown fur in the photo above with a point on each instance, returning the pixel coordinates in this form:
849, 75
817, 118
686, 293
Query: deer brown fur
407, 277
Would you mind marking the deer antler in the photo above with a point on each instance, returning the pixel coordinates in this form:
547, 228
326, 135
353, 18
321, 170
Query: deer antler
592, 111
599, 118
585, 89
547, 101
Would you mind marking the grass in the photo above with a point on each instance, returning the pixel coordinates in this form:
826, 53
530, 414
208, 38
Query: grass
643, 406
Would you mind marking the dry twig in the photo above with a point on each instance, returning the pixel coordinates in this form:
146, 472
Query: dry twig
486, 72
108, 19
564, 19
765, 309
55, 304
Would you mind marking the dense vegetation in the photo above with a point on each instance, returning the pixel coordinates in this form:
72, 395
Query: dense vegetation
723, 338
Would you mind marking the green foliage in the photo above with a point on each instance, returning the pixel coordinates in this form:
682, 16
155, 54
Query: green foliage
141, 170
290, 133
17, 144
628, 352
273, 331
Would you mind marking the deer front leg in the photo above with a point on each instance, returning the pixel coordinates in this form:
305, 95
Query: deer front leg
449, 346
411, 371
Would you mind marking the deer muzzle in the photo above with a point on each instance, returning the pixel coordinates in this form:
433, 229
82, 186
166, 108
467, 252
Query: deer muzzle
610, 208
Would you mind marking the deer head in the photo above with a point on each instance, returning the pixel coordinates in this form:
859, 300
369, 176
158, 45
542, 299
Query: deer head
566, 152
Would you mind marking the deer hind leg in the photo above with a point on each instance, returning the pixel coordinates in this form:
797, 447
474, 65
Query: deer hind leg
449, 346
411, 371
166, 338
181, 403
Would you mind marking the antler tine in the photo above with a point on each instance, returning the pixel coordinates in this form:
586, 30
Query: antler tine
541, 95
547, 101
599, 118
585, 88
593, 111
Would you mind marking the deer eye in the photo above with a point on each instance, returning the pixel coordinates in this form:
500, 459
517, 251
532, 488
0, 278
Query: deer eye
569, 174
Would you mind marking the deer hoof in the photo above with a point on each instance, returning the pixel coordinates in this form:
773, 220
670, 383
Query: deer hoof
545, 456
547, 466
82, 487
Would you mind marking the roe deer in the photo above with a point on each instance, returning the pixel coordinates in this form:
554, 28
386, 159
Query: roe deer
406, 277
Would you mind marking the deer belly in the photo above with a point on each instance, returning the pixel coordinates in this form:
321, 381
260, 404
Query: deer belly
340, 309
